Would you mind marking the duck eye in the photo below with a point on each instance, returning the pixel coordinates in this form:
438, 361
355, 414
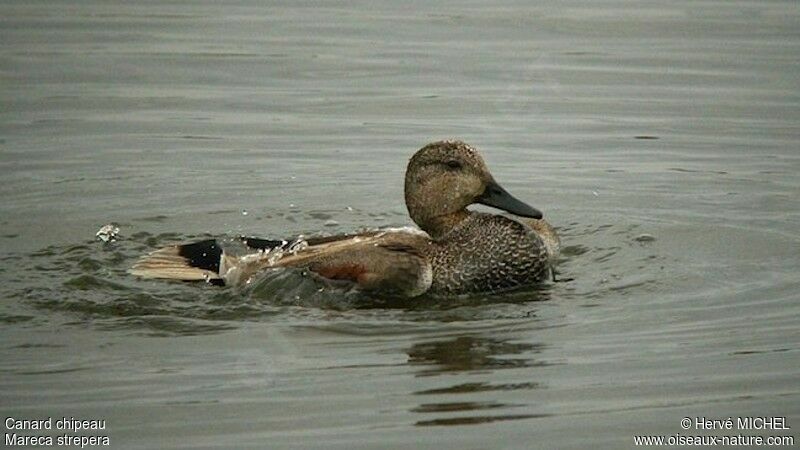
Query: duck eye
453, 164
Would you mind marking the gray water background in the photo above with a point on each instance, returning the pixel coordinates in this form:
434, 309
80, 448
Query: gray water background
620, 120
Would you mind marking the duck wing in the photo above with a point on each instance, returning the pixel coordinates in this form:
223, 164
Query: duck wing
387, 261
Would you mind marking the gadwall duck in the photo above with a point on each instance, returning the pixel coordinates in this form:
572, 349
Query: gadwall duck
456, 251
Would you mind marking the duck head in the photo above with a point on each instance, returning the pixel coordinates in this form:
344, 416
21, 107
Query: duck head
445, 177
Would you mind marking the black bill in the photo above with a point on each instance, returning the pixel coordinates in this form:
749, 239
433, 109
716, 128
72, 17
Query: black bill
497, 197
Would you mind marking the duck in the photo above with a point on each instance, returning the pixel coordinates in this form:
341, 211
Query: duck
454, 251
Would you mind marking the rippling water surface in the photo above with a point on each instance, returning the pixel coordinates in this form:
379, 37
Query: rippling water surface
661, 138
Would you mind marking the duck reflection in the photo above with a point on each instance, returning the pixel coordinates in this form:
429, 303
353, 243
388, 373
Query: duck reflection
473, 355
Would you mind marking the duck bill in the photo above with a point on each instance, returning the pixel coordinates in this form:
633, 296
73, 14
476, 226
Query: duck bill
497, 197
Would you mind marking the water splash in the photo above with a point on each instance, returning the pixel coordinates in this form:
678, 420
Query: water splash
108, 233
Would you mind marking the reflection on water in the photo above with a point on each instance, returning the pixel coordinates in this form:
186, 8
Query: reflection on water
471, 353
474, 420
480, 387
475, 354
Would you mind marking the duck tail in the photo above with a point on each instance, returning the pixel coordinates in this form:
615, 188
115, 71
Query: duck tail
198, 261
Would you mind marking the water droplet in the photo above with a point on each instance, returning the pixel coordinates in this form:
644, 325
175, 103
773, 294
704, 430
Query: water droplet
107, 233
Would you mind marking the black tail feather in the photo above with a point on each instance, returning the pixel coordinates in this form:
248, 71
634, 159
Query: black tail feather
195, 261
202, 255
261, 244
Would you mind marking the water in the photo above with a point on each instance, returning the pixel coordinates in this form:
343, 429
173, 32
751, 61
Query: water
660, 138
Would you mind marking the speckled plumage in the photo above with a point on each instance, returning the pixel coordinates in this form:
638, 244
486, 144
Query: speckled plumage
486, 253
